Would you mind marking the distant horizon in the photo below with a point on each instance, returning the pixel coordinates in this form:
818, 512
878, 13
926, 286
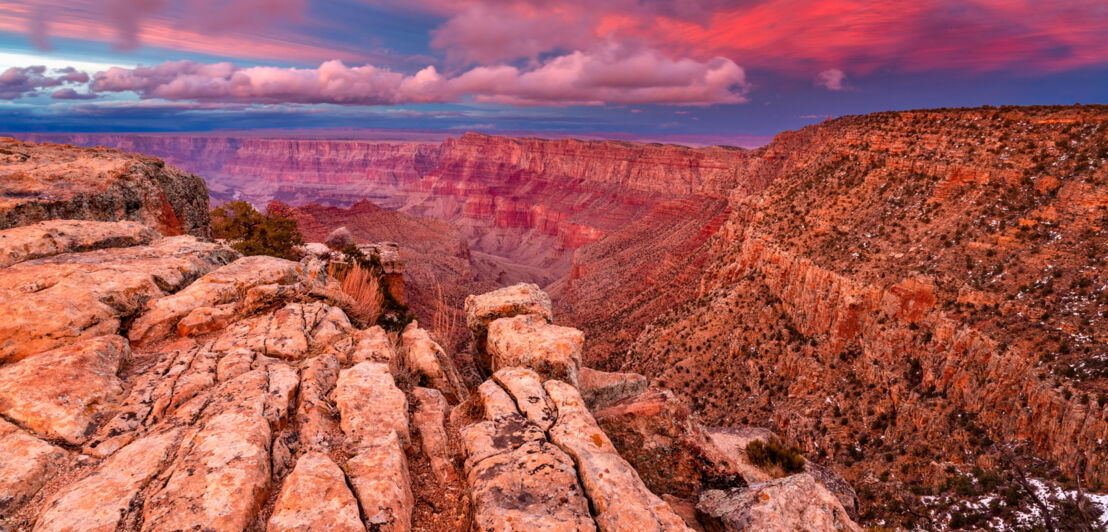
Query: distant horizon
406, 135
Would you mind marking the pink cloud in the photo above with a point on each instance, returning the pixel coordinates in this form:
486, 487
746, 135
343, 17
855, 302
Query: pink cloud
831, 79
789, 35
607, 75
216, 27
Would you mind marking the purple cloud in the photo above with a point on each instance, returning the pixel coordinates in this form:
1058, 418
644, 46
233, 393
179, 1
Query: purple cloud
17, 82
70, 94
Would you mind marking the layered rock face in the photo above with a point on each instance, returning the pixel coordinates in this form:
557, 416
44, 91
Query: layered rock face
913, 289
523, 205
46, 182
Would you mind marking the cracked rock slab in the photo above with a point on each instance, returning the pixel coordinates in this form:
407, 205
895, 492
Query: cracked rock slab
223, 285
54, 301
26, 463
370, 405
379, 476
620, 499
518, 479
59, 393
54, 237
315, 498
525, 387
97, 503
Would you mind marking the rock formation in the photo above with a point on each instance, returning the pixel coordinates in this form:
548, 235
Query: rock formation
178, 386
98, 184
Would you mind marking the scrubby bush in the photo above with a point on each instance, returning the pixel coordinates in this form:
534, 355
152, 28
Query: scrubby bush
253, 233
775, 454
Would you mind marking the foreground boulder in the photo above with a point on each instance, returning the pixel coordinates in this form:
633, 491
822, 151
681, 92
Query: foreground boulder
528, 341
55, 237
227, 284
793, 503
481, 310
53, 301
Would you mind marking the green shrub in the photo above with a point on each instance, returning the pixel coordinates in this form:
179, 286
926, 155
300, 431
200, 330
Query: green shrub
775, 453
252, 233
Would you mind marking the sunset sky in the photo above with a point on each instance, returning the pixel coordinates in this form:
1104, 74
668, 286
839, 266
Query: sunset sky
720, 71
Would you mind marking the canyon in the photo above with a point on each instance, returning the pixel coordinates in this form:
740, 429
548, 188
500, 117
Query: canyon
523, 204
915, 299
153, 379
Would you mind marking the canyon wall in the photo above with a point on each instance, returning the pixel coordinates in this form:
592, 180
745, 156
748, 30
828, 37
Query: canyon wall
524, 204
915, 295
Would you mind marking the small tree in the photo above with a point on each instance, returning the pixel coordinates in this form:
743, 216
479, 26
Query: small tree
252, 233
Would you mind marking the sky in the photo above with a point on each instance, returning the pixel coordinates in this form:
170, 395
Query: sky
701, 71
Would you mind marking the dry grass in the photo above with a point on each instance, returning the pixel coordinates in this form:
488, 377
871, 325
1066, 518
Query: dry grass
363, 289
444, 322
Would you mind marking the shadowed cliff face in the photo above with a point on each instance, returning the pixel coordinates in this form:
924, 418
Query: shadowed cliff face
523, 204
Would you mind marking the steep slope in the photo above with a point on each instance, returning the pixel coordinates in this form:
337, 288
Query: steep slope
913, 291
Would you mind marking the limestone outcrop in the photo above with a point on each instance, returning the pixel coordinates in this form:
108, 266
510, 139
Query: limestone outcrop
482, 310
98, 184
528, 341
